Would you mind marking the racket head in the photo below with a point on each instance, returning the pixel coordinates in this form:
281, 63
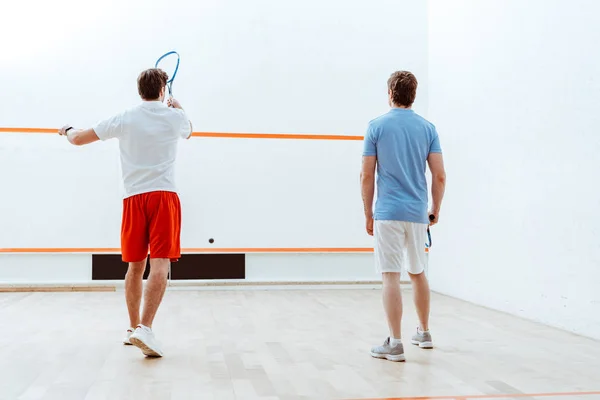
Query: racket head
162, 64
428, 245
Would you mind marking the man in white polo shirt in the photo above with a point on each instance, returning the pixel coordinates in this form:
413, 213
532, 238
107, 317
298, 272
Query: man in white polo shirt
148, 135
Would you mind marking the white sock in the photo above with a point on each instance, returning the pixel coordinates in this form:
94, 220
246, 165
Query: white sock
395, 342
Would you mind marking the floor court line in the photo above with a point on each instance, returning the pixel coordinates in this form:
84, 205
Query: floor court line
492, 396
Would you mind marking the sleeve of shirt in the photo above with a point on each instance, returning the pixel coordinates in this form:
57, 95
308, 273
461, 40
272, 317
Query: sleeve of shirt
185, 128
110, 128
435, 147
370, 143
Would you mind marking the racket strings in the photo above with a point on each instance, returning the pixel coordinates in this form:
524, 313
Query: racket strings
428, 245
172, 76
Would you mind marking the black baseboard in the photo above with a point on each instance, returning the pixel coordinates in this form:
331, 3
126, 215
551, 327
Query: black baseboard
189, 266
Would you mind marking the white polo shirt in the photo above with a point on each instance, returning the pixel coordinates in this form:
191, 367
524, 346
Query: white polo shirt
148, 136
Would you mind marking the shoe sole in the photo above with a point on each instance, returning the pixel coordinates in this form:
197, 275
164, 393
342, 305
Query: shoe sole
144, 348
423, 345
127, 343
389, 357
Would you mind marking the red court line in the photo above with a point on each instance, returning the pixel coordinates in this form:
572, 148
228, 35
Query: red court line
224, 135
194, 250
300, 136
29, 130
491, 396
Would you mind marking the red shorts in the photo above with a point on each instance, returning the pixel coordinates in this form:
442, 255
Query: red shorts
152, 220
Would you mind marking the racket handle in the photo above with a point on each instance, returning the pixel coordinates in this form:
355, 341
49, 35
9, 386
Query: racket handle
432, 217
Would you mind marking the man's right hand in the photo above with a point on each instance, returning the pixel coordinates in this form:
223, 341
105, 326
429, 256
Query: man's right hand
171, 102
438, 184
436, 217
369, 225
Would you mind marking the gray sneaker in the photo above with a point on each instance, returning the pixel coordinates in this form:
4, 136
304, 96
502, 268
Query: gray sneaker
422, 339
386, 351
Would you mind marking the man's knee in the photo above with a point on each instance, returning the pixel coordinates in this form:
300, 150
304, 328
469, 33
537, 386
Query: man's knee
160, 266
136, 268
390, 278
417, 277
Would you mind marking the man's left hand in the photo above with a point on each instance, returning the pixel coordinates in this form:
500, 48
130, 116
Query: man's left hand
63, 131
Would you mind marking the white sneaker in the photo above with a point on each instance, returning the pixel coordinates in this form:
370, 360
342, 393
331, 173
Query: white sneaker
127, 336
143, 338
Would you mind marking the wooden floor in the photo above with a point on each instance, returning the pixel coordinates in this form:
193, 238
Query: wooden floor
279, 344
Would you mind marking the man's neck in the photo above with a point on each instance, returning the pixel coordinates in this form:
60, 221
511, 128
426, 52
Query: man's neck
402, 107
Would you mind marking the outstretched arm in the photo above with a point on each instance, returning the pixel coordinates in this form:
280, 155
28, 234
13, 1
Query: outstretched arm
78, 137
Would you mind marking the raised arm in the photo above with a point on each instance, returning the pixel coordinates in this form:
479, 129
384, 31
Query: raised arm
186, 130
438, 184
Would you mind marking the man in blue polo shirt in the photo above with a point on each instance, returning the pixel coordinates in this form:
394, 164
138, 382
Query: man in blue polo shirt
398, 145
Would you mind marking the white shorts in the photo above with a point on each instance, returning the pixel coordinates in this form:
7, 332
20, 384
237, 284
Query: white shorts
394, 240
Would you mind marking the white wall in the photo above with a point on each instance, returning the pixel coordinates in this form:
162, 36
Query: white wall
264, 66
515, 94
260, 66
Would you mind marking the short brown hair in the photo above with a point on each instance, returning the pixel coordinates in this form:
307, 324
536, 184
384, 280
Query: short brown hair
403, 88
150, 82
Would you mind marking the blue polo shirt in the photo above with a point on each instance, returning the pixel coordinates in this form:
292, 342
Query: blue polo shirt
402, 141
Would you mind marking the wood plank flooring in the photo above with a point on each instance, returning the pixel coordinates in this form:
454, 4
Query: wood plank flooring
278, 344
